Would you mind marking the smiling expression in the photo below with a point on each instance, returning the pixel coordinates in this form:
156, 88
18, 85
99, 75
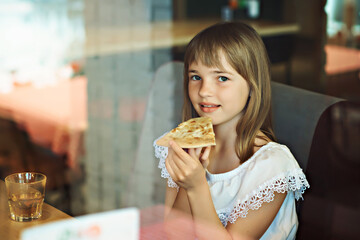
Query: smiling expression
217, 92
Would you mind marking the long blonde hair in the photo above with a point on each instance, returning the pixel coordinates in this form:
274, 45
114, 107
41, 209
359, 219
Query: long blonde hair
246, 53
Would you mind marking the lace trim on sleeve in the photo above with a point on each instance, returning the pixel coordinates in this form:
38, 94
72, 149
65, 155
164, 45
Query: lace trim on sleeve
161, 153
293, 180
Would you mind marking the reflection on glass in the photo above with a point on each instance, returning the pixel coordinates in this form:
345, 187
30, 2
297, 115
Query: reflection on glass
38, 39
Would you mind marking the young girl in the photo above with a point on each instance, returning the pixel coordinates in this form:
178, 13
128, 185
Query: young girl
247, 184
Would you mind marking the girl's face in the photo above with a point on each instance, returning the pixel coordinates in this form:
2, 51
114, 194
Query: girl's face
220, 94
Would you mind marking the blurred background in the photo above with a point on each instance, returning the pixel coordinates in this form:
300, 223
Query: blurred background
75, 78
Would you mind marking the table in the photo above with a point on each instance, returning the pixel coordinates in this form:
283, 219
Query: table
151, 222
55, 117
341, 59
165, 34
11, 230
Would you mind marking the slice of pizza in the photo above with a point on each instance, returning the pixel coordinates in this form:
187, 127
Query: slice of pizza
194, 133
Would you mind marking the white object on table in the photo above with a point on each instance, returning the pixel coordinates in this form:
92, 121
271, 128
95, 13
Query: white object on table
116, 224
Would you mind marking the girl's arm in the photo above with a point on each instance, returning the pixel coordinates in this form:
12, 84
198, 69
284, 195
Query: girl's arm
176, 200
252, 227
170, 196
207, 222
257, 221
187, 171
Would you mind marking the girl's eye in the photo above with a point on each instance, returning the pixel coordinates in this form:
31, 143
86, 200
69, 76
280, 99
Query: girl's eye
195, 77
223, 79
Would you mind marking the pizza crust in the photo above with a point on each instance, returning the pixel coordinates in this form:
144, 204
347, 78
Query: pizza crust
194, 133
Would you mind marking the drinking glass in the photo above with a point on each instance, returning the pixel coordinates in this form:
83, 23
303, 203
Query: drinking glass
26, 192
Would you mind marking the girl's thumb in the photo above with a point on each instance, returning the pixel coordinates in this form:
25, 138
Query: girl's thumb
205, 157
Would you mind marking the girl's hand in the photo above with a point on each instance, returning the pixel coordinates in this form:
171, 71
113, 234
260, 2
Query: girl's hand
203, 155
187, 169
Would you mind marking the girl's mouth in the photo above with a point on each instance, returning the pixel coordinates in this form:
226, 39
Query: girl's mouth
208, 108
204, 105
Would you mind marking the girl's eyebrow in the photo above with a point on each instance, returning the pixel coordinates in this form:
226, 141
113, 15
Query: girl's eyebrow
221, 72
215, 71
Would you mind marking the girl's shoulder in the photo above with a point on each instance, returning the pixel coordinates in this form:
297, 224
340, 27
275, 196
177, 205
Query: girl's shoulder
273, 155
269, 152
272, 168
260, 140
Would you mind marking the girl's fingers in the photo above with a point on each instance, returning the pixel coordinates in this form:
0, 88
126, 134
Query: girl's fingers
180, 164
198, 151
192, 153
176, 171
206, 153
195, 153
204, 158
169, 167
184, 156
175, 163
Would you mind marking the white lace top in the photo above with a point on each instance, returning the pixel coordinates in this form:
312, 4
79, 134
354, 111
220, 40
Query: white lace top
271, 169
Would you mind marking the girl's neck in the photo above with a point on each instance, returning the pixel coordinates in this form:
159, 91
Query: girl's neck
225, 133
223, 157
225, 136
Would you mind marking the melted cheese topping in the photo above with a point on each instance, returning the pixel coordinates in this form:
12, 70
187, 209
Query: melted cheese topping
193, 128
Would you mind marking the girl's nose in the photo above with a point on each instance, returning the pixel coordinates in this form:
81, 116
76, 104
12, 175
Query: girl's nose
206, 89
